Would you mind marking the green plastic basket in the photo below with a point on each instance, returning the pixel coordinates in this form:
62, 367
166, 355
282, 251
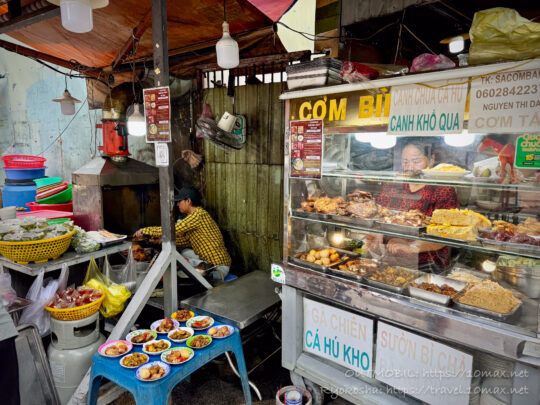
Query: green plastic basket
60, 198
46, 181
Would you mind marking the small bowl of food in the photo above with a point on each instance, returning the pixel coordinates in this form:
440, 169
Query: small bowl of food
134, 360
200, 322
115, 348
199, 341
156, 346
153, 371
141, 336
164, 325
182, 315
177, 355
180, 334
220, 331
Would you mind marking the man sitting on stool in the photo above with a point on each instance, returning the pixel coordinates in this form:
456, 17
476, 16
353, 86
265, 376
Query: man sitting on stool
197, 233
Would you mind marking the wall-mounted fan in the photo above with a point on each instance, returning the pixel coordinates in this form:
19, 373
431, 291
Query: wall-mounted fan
229, 134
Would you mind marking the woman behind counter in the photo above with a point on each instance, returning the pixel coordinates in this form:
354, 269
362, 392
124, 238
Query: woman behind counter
417, 155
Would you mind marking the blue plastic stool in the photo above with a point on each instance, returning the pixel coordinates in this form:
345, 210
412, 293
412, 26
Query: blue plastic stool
158, 392
229, 277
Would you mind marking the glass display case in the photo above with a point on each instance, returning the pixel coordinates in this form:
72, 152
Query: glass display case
438, 235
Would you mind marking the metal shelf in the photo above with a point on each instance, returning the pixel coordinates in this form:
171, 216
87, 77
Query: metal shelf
392, 177
450, 324
425, 237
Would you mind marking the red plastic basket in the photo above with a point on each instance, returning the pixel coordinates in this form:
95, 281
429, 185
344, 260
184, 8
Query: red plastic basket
23, 162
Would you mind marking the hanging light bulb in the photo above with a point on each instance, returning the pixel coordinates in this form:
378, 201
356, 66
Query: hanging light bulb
77, 14
227, 51
67, 102
384, 142
136, 124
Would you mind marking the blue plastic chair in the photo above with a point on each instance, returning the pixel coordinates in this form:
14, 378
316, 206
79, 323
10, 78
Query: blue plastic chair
158, 392
230, 277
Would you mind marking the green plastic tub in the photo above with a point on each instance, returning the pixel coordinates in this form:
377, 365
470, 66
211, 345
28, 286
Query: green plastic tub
60, 198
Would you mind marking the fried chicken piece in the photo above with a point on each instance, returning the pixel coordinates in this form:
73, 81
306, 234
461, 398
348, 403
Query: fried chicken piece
326, 205
366, 209
359, 196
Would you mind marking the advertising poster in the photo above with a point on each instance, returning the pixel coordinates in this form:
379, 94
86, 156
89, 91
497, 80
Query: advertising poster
340, 336
157, 113
306, 148
425, 369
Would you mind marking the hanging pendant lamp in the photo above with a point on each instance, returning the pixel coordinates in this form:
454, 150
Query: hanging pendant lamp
227, 51
67, 102
77, 14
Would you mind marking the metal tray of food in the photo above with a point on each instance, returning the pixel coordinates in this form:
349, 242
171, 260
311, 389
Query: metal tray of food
403, 229
335, 269
471, 272
516, 247
485, 312
397, 289
431, 296
365, 222
318, 267
312, 215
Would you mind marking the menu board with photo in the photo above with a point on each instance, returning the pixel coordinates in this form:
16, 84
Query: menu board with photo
157, 113
306, 148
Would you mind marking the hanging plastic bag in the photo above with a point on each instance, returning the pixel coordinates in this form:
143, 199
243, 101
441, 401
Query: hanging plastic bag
115, 294
7, 293
502, 34
123, 274
41, 293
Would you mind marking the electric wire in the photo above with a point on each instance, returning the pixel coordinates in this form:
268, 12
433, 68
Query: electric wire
70, 75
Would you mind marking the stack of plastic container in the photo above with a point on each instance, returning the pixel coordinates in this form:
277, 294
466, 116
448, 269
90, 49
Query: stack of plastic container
21, 171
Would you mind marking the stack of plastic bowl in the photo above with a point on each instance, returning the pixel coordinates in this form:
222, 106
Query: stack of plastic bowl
62, 196
21, 171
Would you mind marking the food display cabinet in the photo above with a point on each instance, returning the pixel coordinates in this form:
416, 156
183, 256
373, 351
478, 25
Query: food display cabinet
411, 270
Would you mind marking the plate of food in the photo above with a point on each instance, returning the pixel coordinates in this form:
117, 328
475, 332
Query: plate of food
134, 360
182, 315
177, 355
180, 334
199, 341
164, 325
156, 346
445, 171
411, 222
200, 322
221, 331
435, 288
141, 336
116, 348
356, 268
298, 164
153, 371
152, 128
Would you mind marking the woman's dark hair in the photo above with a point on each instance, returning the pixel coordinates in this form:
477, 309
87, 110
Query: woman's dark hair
425, 144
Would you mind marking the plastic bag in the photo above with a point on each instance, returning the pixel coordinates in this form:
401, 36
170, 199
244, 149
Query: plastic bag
354, 72
123, 274
115, 294
7, 293
502, 34
427, 61
41, 293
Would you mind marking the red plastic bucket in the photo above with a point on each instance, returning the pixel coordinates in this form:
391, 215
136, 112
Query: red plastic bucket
34, 206
23, 162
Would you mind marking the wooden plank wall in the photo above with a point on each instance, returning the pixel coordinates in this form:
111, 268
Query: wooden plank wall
244, 189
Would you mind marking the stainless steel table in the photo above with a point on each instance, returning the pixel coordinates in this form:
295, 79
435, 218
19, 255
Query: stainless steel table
242, 301
70, 258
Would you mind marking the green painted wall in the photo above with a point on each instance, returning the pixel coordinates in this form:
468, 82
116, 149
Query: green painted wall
244, 189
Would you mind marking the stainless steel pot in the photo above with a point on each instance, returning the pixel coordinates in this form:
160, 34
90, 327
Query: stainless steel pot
524, 279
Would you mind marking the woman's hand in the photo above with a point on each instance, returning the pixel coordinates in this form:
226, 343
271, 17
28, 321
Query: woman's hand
138, 234
373, 241
402, 247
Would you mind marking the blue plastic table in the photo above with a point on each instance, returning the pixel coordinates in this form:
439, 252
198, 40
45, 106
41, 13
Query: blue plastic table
157, 392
